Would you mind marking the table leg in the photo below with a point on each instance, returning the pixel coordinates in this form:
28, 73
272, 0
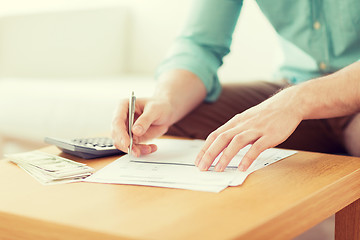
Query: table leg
347, 222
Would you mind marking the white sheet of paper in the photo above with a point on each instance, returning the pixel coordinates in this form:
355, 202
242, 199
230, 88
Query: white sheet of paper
173, 166
185, 151
109, 174
124, 171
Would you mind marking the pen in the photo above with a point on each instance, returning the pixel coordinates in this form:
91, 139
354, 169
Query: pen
131, 119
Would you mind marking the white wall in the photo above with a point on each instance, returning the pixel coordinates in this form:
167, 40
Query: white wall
153, 24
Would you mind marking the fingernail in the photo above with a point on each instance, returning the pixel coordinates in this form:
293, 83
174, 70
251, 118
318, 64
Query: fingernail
137, 129
218, 168
202, 166
242, 168
197, 160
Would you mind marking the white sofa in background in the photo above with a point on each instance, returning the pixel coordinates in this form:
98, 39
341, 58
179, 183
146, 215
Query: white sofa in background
62, 71
32, 109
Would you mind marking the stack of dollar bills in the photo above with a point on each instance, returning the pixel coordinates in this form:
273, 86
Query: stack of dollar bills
50, 169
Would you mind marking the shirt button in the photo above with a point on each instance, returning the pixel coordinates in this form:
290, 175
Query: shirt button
317, 25
322, 66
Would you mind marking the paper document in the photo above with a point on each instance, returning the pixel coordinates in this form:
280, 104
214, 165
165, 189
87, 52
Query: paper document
172, 165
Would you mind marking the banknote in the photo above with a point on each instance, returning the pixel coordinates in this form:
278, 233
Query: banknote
50, 169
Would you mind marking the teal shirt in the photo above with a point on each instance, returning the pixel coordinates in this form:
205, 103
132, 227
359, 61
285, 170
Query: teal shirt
317, 37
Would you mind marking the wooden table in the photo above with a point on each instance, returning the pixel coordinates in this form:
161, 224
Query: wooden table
278, 202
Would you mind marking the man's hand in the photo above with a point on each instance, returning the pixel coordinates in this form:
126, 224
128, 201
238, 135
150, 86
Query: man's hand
152, 119
177, 93
264, 126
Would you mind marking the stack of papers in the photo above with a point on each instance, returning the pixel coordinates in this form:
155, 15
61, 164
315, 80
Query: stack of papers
50, 169
172, 165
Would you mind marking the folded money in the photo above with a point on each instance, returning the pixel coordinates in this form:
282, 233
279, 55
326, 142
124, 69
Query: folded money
50, 169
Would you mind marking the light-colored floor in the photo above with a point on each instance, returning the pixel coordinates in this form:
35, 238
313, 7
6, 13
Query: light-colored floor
323, 231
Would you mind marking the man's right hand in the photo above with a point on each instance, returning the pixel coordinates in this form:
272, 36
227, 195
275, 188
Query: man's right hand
152, 120
177, 93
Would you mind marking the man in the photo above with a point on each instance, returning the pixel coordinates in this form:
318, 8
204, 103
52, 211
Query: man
314, 108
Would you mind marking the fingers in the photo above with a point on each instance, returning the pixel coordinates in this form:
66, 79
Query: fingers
210, 139
211, 151
237, 143
145, 120
152, 121
119, 132
255, 150
151, 133
229, 143
143, 149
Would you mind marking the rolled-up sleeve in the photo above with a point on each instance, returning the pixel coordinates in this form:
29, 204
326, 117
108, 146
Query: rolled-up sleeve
204, 41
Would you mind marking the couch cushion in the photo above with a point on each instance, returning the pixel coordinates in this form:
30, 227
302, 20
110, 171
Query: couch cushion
32, 109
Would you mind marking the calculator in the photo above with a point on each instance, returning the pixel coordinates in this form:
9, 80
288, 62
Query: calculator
86, 148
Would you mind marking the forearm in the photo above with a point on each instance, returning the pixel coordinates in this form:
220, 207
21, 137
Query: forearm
330, 96
182, 89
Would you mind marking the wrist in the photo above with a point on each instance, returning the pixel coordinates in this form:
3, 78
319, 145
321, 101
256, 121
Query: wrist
299, 100
311, 99
290, 100
182, 90
169, 101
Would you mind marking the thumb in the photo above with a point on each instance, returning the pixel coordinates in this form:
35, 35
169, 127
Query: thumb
144, 121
